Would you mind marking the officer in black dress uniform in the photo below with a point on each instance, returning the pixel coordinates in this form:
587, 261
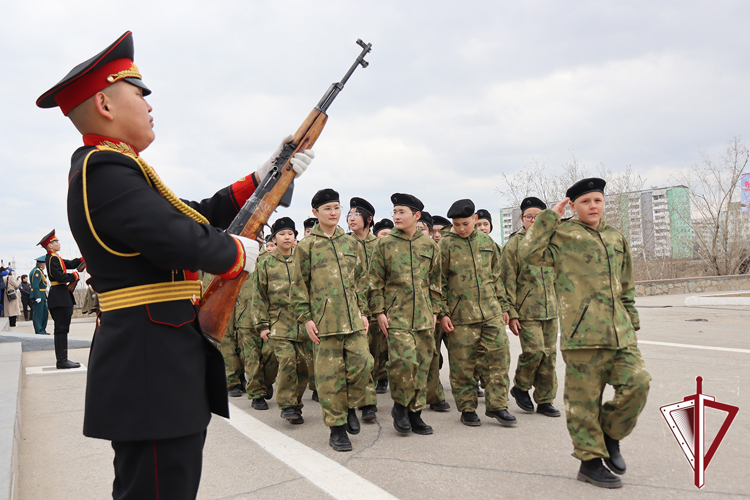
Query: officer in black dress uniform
143, 248
61, 299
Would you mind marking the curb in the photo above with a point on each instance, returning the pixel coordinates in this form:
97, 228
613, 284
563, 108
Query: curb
10, 418
716, 301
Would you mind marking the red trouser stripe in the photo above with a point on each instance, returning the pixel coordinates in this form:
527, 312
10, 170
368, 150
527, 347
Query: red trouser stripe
156, 472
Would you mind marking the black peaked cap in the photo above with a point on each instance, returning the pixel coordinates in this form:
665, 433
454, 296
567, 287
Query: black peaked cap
407, 200
461, 209
585, 186
324, 196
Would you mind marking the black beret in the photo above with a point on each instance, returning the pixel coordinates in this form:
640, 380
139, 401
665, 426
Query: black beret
362, 204
426, 218
585, 186
324, 196
484, 214
382, 224
310, 222
267, 239
407, 200
283, 224
461, 209
439, 220
532, 202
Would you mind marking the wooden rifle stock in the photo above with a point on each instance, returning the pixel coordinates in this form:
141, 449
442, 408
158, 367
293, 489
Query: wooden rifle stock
219, 298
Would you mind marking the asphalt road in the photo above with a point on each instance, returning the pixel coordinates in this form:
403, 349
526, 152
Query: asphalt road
258, 455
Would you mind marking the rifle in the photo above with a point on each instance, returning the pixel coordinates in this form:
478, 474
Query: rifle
275, 189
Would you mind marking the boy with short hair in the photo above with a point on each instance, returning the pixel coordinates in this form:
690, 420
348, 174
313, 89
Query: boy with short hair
595, 288
328, 300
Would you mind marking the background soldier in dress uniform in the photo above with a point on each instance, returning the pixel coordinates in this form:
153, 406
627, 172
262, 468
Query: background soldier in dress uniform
274, 319
327, 296
143, 247
475, 313
595, 288
60, 300
39, 310
405, 296
533, 317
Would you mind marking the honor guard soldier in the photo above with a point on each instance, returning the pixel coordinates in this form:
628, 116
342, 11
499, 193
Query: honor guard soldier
475, 314
39, 308
328, 298
594, 273
143, 248
533, 318
61, 299
404, 294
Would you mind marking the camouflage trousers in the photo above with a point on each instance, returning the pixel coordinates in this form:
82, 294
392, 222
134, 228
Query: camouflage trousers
409, 356
435, 393
293, 375
310, 357
587, 372
379, 350
536, 364
260, 363
233, 363
480, 368
342, 370
463, 352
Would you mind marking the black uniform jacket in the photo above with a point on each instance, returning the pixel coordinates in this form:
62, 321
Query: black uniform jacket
57, 268
152, 373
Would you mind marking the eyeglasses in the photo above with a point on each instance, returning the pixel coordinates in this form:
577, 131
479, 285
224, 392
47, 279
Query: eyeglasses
330, 210
353, 215
401, 213
530, 218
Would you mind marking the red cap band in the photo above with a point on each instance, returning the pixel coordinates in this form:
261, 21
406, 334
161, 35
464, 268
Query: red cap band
91, 83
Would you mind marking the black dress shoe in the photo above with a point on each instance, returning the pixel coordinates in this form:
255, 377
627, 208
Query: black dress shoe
297, 419
368, 412
315, 396
502, 416
339, 440
352, 422
234, 391
417, 425
615, 462
442, 406
522, 399
288, 413
401, 418
382, 386
470, 418
269, 392
593, 471
67, 364
547, 410
260, 404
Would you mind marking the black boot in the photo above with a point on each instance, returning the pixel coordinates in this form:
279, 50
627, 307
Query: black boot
61, 352
234, 391
382, 386
470, 418
615, 462
441, 406
315, 396
368, 412
352, 422
339, 440
503, 417
548, 410
400, 418
417, 425
593, 471
522, 399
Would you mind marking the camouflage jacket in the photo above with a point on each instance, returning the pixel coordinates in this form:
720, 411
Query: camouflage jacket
405, 280
368, 244
329, 282
471, 280
530, 289
270, 307
594, 271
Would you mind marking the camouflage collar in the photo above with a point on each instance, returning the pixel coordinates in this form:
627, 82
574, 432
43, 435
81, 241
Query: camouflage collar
402, 235
367, 239
455, 234
318, 231
602, 223
278, 256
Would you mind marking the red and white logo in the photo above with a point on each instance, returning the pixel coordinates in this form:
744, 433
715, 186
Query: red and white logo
687, 422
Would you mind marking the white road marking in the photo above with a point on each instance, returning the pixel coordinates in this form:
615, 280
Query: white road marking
693, 346
46, 370
326, 474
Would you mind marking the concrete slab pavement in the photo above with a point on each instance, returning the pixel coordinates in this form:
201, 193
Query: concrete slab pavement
531, 460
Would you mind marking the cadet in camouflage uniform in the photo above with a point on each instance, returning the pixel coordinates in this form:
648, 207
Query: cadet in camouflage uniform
405, 296
533, 315
484, 225
474, 315
435, 397
328, 298
273, 317
309, 224
595, 288
359, 219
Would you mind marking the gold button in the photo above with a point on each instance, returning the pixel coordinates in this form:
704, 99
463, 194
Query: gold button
110, 78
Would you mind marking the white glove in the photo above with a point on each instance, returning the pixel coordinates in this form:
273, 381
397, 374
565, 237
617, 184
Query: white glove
38, 301
299, 162
252, 250
268, 165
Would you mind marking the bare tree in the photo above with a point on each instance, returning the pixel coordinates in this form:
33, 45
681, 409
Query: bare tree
721, 230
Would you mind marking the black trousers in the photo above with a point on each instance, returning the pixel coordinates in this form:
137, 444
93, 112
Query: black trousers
26, 301
61, 316
162, 469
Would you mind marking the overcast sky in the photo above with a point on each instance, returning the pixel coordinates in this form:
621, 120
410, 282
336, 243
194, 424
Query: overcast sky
456, 94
